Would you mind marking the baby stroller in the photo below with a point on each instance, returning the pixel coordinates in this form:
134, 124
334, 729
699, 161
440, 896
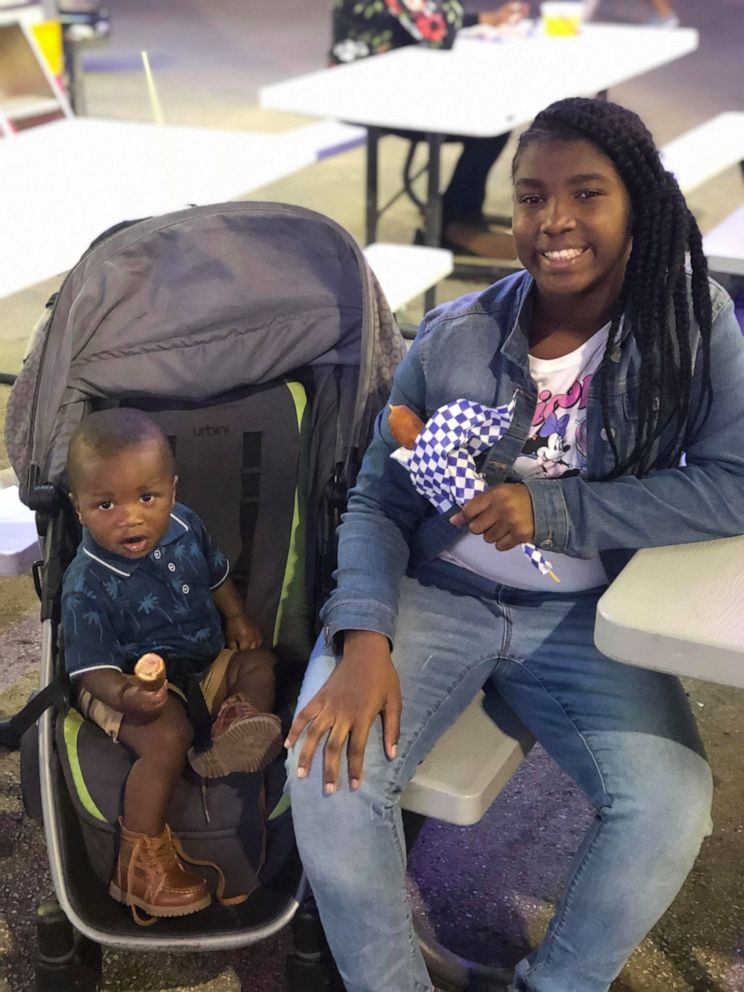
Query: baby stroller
258, 337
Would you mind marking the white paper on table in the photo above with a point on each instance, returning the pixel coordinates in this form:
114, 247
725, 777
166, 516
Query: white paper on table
525, 28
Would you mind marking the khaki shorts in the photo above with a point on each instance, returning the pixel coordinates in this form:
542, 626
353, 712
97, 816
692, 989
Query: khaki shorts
109, 719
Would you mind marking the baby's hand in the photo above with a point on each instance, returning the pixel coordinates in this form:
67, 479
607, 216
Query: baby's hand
241, 634
142, 705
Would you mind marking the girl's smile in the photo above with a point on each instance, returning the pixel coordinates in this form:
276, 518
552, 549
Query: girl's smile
563, 258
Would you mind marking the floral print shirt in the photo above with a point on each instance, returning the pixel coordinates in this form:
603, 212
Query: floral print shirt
370, 27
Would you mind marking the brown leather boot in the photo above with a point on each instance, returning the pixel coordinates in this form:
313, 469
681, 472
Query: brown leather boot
149, 875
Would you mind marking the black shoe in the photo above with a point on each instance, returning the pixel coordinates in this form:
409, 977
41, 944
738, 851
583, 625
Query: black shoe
479, 979
499, 220
451, 973
478, 240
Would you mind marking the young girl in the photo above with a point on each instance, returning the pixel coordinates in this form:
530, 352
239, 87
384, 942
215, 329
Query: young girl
620, 361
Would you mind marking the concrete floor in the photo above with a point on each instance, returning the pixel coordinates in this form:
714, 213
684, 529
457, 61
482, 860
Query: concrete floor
488, 889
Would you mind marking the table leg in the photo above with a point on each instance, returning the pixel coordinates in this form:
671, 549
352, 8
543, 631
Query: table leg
433, 206
77, 79
372, 215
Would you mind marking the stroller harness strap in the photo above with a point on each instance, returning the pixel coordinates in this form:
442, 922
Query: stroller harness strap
13, 729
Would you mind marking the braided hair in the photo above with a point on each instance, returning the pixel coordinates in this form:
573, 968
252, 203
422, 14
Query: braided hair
654, 298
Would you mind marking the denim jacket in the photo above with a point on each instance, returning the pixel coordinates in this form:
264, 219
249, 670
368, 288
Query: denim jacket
476, 348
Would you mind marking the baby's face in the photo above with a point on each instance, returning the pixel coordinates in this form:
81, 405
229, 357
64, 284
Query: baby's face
125, 499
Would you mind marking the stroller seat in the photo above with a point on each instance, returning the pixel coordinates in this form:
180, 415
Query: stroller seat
243, 466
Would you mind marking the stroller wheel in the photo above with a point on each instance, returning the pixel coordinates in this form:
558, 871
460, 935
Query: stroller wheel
65, 960
310, 967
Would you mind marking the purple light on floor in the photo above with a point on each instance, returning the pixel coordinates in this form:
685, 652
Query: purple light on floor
124, 63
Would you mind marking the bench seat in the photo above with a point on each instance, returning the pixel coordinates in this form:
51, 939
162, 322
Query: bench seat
470, 764
697, 156
724, 245
19, 544
407, 271
706, 150
326, 137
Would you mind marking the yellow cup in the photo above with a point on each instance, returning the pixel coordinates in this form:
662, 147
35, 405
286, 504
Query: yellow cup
48, 36
561, 18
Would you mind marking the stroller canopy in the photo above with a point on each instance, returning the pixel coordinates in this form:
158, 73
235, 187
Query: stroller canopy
195, 304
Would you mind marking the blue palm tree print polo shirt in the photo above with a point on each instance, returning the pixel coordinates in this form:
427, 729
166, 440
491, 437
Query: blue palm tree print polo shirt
115, 609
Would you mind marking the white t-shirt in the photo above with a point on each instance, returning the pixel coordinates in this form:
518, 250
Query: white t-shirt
555, 448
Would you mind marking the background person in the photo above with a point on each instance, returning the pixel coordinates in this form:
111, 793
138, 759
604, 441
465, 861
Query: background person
361, 28
664, 15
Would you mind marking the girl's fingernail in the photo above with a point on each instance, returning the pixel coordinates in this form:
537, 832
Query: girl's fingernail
330, 788
286, 743
301, 772
394, 750
354, 783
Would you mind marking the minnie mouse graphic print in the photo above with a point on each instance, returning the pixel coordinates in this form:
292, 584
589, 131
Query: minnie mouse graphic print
556, 446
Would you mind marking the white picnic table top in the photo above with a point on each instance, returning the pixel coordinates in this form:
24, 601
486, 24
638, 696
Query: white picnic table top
64, 183
679, 609
479, 88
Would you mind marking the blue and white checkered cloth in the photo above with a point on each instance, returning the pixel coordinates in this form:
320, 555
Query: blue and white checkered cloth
442, 463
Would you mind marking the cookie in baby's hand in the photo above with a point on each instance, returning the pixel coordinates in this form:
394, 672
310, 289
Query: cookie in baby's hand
150, 671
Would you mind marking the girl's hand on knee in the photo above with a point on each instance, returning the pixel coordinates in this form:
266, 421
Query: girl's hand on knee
363, 686
502, 514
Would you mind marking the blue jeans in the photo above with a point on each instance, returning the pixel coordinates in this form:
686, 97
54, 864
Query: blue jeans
625, 735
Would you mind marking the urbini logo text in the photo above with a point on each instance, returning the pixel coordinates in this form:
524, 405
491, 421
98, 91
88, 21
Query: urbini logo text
211, 430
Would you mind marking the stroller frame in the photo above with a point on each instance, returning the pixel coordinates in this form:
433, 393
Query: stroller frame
39, 467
